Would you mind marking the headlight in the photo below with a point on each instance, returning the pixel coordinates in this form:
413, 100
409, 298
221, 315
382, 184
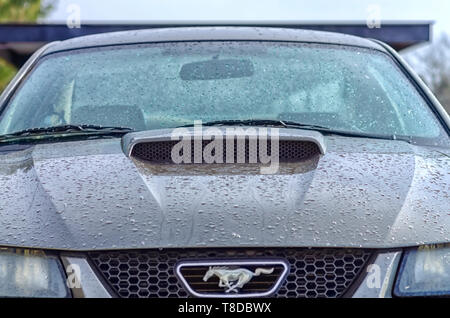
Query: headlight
31, 273
424, 272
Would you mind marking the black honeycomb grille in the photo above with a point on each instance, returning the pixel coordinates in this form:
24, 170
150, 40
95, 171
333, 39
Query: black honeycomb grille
289, 151
325, 273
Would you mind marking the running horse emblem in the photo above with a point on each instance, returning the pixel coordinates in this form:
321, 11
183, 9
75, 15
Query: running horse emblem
234, 279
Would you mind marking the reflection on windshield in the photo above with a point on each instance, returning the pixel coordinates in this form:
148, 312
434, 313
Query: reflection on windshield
169, 85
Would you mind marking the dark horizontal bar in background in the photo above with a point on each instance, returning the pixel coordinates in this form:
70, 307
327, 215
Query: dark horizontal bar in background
400, 34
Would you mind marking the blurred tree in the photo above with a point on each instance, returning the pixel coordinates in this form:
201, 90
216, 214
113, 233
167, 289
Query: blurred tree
7, 72
435, 69
19, 11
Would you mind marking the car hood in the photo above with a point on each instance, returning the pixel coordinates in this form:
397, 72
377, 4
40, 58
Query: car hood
89, 195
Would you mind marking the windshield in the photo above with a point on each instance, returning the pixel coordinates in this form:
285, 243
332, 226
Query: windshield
166, 85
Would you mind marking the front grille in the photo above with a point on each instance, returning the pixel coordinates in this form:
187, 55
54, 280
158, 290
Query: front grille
288, 151
151, 273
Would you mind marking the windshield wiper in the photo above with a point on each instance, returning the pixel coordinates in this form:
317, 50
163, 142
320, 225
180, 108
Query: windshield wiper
292, 124
259, 122
66, 130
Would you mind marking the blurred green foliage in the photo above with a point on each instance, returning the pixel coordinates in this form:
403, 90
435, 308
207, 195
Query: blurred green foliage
7, 72
22, 11
19, 11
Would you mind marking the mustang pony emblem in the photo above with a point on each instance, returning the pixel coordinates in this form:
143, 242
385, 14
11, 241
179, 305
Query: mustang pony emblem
233, 279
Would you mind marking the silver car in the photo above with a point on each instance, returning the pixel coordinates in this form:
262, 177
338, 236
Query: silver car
222, 162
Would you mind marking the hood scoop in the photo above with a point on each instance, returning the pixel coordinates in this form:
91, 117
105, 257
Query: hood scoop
159, 147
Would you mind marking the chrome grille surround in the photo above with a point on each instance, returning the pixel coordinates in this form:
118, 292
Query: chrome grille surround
191, 275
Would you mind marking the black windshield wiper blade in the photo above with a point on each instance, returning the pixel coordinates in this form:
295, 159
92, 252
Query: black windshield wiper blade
408, 139
259, 122
67, 129
296, 125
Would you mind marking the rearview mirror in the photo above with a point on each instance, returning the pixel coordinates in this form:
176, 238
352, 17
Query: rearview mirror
216, 69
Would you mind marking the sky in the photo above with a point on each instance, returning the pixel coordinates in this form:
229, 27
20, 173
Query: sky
220, 10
